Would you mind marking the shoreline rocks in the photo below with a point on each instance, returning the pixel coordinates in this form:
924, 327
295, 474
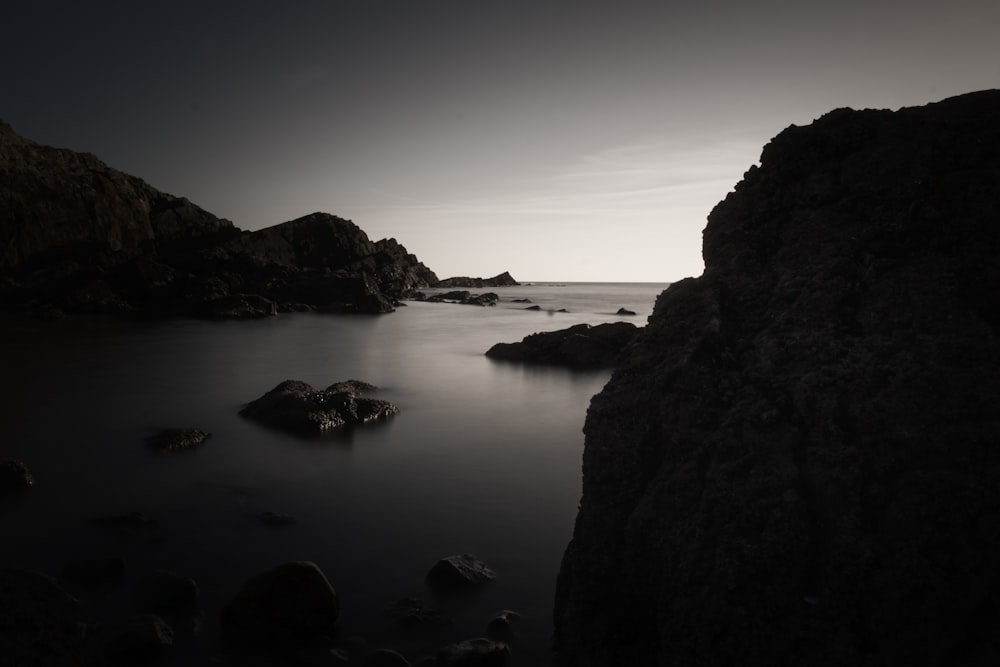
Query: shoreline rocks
502, 280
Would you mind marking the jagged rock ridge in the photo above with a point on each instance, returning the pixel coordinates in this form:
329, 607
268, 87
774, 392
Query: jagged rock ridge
80, 236
796, 462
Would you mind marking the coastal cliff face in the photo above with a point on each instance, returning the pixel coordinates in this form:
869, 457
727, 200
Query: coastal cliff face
797, 462
79, 236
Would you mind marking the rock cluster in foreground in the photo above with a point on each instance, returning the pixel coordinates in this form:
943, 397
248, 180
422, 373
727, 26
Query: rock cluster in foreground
579, 346
796, 462
77, 236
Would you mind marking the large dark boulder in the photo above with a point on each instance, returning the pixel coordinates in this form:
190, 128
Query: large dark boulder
796, 461
579, 346
291, 603
459, 572
297, 407
15, 477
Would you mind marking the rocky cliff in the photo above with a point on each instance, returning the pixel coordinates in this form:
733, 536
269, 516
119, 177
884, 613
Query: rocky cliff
798, 460
79, 236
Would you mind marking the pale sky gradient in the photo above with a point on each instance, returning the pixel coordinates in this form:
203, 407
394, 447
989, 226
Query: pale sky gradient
558, 140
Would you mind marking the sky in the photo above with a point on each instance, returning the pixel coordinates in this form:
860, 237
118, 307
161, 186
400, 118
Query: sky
554, 139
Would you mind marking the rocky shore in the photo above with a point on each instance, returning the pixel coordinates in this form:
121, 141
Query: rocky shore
795, 461
79, 237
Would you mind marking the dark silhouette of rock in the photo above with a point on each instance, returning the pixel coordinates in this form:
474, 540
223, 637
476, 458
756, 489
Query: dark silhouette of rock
520, 300
535, 307
501, 627
795, 463
41, 624
502, 280
480, 652
579, 346
92, 571
78, 236
462, 297
624, 311
176, 439
15, 477
291, 603
459, 572
298, 407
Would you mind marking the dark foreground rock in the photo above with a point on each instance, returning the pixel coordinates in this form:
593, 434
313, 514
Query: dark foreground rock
15, 477
92, 571
297, 407
459, 572
796, 461
580, 346
293, 602
502, 280
41, 624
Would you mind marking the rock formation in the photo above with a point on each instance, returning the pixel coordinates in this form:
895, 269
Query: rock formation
78, 236
796, 462
579, 346
297, 407
502, 280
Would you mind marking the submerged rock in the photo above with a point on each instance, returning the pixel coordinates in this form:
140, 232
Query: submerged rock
412, 612
166, 592
580, 346
298, 407
795, 463
459, 572
624, 311
293, 602
175, 439
137, 639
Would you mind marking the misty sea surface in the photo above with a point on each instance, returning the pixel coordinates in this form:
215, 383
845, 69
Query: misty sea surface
483, 458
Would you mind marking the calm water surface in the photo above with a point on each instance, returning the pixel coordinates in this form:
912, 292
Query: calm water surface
483, 458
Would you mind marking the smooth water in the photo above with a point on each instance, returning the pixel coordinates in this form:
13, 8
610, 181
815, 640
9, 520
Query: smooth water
483, 458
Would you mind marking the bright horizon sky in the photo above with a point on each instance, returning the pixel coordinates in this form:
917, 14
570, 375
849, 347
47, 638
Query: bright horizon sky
557, 140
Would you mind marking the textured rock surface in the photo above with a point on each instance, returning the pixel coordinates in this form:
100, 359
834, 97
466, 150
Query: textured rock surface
176, 439
579, 346
81, 237
297, 407
15, 476
798, 460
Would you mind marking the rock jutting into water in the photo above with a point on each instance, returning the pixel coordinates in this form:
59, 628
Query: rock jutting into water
502, 280
462, 297
795, 463
579, 346
459, 572
297, 407
77, 236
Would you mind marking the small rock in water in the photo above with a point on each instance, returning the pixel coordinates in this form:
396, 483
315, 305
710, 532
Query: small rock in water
479, 652
458, 572
175, 439
625, 311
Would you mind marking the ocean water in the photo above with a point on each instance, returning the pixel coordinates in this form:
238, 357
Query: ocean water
483, 458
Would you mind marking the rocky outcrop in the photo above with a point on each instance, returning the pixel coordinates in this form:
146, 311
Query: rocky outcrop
81, 237
579, 346
297, 407
502, 280
796, 461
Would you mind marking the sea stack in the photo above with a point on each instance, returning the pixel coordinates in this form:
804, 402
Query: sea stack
795, 463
